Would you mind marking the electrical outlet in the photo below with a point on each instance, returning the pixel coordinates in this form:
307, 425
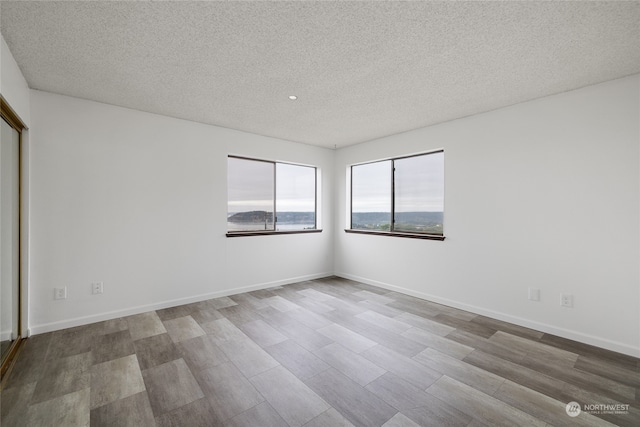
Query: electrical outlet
566, 300
60, 293
97, 288
534, 294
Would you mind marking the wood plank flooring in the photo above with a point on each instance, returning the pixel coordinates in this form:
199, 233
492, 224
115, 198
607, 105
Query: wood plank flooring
328, 352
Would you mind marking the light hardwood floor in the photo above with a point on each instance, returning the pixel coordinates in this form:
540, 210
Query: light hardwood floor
328, 352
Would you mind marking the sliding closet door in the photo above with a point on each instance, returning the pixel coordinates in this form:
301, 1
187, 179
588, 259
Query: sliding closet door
9, 239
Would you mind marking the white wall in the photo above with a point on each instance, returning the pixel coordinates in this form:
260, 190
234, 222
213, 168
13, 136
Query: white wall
138, 201
542, 194
13, 86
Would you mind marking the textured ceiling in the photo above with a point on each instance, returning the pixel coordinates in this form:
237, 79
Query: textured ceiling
361, 70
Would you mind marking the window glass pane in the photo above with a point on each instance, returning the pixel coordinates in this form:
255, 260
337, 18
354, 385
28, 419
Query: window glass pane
250, 200
419, 193
371, 196
295, 197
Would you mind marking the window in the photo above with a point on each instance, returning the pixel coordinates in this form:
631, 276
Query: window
402, 196
267, 197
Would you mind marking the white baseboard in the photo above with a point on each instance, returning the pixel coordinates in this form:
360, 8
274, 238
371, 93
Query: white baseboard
538, 326
85, 320
6, 335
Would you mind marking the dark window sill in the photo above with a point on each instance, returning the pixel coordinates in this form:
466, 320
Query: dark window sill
397, 234
269, 233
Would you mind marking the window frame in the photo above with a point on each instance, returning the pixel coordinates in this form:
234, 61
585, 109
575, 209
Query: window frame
275, 231
392, 194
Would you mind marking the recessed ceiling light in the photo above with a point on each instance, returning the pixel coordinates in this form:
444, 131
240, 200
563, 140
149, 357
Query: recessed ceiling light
293, 97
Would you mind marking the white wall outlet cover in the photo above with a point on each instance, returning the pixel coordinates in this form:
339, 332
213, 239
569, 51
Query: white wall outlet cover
60, 293
97, 288
566, 300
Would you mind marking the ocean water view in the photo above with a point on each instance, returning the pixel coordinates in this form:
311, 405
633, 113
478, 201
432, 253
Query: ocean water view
255, 226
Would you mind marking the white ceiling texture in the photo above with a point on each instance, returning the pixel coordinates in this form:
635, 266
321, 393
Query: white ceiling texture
361, 70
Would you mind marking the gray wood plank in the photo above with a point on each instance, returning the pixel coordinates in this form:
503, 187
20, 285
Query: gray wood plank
398, 393
204, 316
30, 364
535, 349
510, 328
348, 319
358, 405
447, 346
627, 419
425, 324
62, 376
262, 415
239, 314
400, 420
155, 350
174, 312
611, 371
262, 333
331, 418
519, 374
313, 305
301, 362
250, 301
248, 357
477, 404
300, 333
308, 318
402, 366
228, 391
383, 309
314, 294
622, 360
468, 374
281, 304
111, 346
170, 386
543, 407
197, 413
131, 411
14, 404
490, 347
201, 353
294, 401
438, 413
183, 328
351, 364
384, 322
145, 325
453, 320
347, 338
115, 380
222, 302
70, 409
584, 380
373, 297
398, 342
223, 330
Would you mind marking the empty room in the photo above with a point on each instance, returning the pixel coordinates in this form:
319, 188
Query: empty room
321, 213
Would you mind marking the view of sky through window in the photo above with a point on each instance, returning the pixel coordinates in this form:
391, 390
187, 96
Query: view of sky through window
270, 196
404, 194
